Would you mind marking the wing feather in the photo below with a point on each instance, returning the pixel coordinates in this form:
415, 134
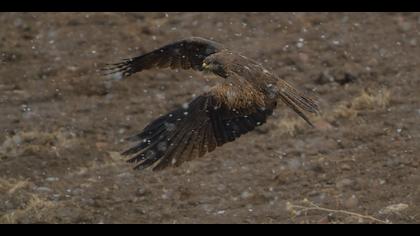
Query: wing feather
184, 54
204, 128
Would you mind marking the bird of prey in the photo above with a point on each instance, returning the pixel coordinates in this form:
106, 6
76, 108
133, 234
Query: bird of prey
244, 99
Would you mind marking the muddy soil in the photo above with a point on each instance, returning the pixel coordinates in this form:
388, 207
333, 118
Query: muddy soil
63, 124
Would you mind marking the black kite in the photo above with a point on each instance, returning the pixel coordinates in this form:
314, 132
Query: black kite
244, 100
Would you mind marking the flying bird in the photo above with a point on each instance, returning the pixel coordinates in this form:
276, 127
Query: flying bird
244, 99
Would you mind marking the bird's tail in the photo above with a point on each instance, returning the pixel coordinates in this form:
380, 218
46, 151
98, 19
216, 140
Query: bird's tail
296, 100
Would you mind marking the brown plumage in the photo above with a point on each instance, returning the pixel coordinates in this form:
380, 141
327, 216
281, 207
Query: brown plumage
244, 100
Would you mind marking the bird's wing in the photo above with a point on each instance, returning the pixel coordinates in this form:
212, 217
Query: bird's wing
191, 132
185, 54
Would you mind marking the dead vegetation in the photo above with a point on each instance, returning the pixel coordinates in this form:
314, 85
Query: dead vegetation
31, 142
32, 205
37, 208
290, 125
10, 186
367, 100
112, 160
307, 206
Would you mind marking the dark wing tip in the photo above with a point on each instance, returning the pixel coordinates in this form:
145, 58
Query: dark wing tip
170, 139
124, 67
184, 54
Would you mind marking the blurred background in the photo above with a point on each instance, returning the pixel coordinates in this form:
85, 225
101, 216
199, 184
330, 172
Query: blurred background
63, 123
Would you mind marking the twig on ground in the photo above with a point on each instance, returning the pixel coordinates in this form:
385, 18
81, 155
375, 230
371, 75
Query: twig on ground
312, 206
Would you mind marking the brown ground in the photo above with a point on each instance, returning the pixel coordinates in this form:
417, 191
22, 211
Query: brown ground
63, 123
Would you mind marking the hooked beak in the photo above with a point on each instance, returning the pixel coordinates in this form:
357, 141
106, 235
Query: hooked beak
205, 66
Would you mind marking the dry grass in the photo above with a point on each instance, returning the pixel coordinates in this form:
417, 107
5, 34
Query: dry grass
115, 159
291, 126
10, 186
367, 100
33, 141
307, 206
36, 208
344, 111
371, 100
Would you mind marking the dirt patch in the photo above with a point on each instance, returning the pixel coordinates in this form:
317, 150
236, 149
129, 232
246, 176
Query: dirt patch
63, 123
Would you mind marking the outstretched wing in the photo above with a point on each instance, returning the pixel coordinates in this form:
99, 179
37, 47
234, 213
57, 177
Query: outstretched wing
191, 132
185, 54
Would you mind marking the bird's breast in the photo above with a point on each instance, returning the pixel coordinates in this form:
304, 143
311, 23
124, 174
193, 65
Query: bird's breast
236, 95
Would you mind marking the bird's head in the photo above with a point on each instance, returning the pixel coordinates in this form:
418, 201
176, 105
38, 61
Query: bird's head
215, 65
